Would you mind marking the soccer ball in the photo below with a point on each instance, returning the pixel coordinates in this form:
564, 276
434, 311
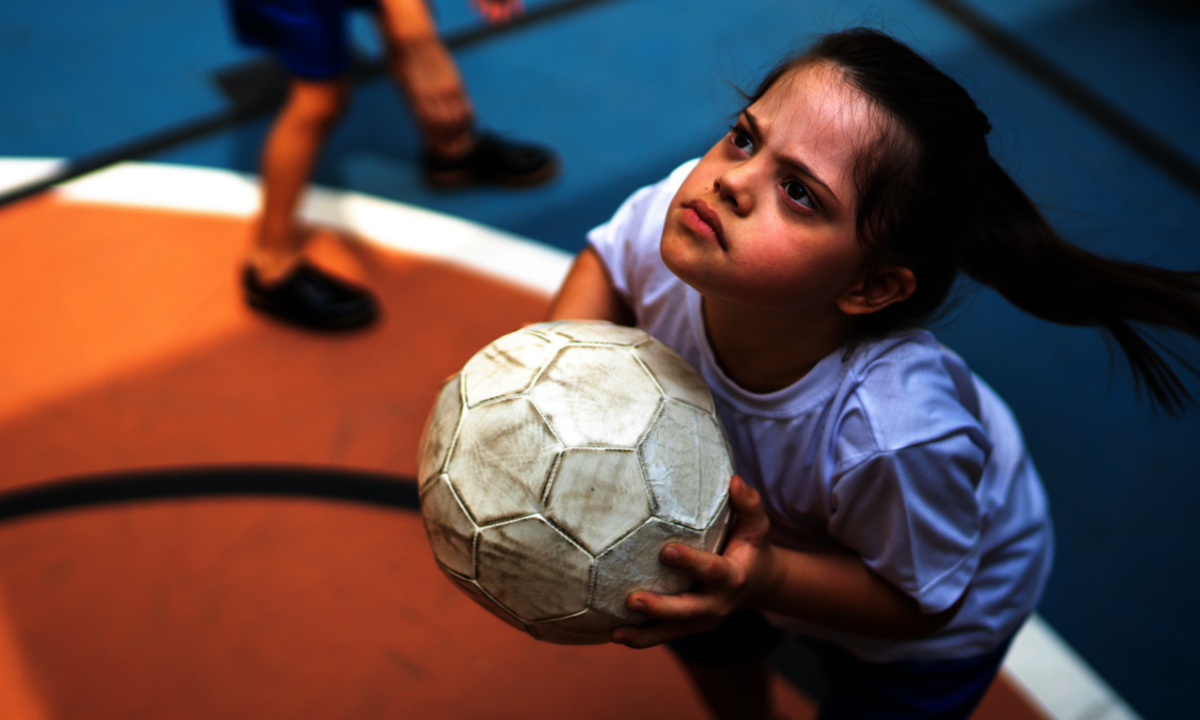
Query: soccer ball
557, 464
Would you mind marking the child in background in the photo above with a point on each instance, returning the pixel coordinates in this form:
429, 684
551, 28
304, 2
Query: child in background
888, 511
311, 38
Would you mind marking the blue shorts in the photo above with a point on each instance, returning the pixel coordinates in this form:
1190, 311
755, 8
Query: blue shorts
857, 690
310, 37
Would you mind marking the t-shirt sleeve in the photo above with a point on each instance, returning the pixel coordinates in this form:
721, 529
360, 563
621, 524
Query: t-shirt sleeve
628, 241
615, 241
913, 516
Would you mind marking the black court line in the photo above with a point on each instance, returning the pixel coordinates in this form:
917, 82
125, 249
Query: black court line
379, 489
256, 88
397, 492
1128, 129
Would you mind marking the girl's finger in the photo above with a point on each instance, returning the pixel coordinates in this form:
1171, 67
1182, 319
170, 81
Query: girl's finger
710, 569
752, 523
675, 608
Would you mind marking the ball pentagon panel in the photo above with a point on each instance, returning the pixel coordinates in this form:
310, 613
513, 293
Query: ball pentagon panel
687, 464
502, 459
596, 396
605, 333
549, 329
532, 569
597, 495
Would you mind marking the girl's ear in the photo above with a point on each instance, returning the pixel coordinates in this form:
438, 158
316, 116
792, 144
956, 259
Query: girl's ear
892, 284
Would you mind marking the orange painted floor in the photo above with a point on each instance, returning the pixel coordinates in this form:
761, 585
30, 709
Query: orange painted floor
124, 345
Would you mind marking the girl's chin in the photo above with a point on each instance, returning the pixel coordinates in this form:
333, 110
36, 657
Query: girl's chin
681, 247
689, 270
675, 254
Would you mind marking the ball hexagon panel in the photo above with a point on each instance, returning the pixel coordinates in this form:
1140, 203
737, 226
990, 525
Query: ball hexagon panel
451, 532
676, 377
597, 495
439, 431
588, 628
633, 564
532, 569
505, 367
687, 465
602, 333
596, 396
502, 459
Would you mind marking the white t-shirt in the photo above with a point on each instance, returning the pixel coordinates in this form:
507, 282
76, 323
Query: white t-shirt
899, 453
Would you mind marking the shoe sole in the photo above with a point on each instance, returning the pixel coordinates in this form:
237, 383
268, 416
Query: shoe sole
460, 178
351, 322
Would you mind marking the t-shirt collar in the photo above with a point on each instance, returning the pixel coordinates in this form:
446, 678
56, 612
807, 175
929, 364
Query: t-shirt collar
813, 388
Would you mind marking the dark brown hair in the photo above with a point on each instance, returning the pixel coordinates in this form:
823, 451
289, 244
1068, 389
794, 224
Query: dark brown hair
932, 199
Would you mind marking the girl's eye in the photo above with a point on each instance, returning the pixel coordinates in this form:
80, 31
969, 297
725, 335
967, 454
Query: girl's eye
740, 139
798, 193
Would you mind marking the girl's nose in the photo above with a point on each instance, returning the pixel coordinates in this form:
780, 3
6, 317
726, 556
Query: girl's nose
734, 186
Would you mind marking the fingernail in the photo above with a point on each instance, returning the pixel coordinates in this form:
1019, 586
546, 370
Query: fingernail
670, 553
637, 605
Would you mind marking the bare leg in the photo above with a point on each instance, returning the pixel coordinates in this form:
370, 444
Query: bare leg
426, 72
735, 693
288, 157
456, 153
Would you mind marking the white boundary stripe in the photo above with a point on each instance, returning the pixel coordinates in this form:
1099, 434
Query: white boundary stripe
1060, 681
497, 254
1040, 662
16, 172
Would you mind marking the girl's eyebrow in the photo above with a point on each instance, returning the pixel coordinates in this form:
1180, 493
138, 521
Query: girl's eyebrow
796, 163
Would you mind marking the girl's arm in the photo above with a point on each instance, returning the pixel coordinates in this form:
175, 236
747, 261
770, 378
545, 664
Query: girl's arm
588, 294
833, 589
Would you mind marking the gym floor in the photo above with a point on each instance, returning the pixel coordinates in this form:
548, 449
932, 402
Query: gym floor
126, 348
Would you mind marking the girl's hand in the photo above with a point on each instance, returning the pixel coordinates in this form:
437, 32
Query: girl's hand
498, 11
729, 581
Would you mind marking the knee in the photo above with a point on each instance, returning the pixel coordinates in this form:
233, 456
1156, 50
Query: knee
317, 105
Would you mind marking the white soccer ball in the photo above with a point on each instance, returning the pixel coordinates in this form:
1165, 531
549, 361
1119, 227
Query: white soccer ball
557, 464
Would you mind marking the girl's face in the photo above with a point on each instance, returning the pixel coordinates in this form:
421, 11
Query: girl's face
767, 217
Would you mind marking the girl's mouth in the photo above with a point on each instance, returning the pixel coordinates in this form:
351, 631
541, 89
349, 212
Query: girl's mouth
703, 220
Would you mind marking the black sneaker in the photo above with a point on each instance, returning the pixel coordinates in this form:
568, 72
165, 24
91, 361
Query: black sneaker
312, 299
492, 160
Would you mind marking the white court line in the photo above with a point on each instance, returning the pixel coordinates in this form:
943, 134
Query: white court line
1040, 662
410, 229
1062, 683
17, 172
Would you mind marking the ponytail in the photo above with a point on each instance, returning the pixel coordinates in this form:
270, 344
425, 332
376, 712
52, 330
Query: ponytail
932, 199
1015, 251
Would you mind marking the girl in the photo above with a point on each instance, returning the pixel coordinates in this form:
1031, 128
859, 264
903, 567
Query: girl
889, 511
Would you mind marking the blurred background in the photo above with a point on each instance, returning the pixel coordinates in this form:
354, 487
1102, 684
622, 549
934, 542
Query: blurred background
1093, 104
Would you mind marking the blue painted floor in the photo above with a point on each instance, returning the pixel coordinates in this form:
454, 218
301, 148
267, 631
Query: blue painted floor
626, 90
